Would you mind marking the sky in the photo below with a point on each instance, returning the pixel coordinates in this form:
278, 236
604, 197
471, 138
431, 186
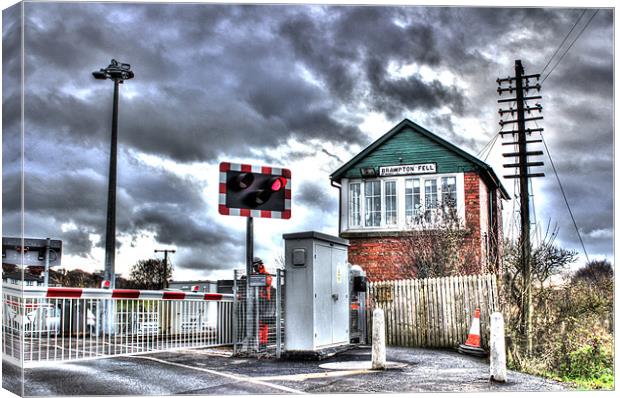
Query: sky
305, 87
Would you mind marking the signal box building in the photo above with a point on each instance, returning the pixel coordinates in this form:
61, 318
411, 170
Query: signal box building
410, 182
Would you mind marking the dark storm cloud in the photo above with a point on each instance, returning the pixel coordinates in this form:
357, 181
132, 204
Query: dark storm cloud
584, 194
148, 199
592, 77
11, 189
394, 96
165, 203
11, 151
204, 259
78, 242
68, 116
201, 244
588, 186
315, 196
11, 46
214, 81
307, 38
64, 198
163, 187
71, 193
350, 52
191, 110
175, 225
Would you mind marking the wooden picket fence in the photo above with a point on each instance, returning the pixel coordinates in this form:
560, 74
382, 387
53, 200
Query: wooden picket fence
433, 312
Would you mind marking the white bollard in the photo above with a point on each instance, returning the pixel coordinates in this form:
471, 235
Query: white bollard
498, 348
378, 339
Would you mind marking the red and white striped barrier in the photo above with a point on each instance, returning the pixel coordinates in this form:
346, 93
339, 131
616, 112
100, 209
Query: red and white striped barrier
90, 293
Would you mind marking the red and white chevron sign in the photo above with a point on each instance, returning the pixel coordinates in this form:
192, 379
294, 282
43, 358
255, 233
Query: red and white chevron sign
284, 212
88, 293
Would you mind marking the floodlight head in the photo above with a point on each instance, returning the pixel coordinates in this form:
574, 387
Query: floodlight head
115, 74
100, 74
115, 71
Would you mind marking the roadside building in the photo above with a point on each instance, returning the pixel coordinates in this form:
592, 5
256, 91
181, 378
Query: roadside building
202, 286
408, 184
30, 251
15, 278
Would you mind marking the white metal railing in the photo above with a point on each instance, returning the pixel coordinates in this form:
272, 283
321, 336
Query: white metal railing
42, 324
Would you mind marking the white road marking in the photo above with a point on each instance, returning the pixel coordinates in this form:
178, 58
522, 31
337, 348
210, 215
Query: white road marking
228, 375
320, 375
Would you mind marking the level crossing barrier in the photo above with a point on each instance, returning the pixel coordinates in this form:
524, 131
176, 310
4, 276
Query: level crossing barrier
41, 324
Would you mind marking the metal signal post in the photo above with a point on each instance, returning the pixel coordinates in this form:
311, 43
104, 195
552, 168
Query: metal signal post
253, 191
523, 173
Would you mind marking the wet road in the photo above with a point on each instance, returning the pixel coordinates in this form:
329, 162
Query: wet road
214, 372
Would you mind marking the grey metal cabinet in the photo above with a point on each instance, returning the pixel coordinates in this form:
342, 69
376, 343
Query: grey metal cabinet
317, 302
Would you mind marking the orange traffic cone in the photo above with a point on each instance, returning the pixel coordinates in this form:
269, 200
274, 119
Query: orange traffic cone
472, 345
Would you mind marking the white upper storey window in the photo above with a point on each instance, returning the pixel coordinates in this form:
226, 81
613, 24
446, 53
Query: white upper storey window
403, 202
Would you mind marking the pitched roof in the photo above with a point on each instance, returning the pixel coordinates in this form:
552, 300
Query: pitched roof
486, 171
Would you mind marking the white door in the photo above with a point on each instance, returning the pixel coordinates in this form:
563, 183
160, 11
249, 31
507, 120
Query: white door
323, 302
340, 296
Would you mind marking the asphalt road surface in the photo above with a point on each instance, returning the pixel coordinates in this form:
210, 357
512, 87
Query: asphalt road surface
215, 372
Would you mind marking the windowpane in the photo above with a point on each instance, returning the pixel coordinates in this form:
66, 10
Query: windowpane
430, 194
372, 195
412, 197
390, 203
355, 215
448, 191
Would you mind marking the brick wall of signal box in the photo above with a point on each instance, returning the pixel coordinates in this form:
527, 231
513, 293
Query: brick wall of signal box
382, 258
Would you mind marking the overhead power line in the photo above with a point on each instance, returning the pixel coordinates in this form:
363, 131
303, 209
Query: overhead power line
564, 41
488, 147
569, 47
565, 200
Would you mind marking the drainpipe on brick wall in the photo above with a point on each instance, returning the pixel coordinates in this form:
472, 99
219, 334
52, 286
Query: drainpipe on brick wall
494, 229
492, 235
336, 185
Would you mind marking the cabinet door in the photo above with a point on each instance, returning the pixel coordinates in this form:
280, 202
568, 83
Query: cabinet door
323, 307
340, 296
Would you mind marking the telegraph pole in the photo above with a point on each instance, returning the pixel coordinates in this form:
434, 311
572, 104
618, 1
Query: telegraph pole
164, 272
523, 174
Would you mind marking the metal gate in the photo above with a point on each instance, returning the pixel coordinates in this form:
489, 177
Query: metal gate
42, 324
258, 325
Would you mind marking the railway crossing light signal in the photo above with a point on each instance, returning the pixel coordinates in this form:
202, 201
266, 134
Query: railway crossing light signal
240, 182
268, 189
254, 191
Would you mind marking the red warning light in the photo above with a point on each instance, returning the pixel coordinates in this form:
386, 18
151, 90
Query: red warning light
278, 184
